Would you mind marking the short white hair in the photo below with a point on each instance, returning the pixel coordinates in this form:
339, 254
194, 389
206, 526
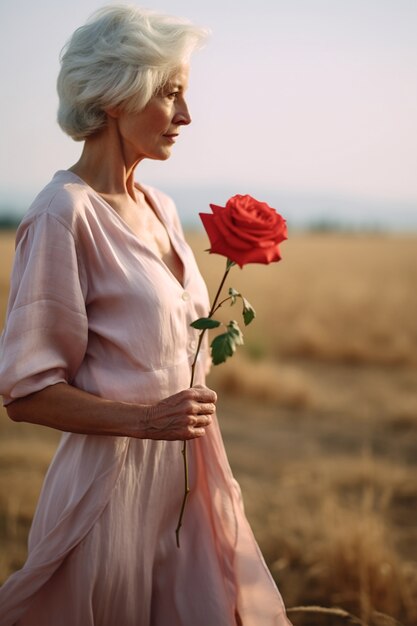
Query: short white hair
120, 58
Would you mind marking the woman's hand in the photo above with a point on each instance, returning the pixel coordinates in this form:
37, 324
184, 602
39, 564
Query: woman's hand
184, 415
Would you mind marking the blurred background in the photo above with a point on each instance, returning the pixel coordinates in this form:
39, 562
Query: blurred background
309, 105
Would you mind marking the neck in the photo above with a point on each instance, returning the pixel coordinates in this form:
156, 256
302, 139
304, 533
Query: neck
103, 164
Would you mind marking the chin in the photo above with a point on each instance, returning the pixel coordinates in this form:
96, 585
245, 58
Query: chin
160, 156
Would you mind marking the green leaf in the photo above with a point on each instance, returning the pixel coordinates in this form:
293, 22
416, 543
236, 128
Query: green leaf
204, 323
233, 295
230, 264
235, 332
222, 347
249, 313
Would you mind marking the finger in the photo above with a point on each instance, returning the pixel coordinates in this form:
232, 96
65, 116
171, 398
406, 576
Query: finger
207, 409
204, 394
200, 421
193, 433
204, 421
192, 407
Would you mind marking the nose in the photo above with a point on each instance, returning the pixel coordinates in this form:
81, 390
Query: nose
182, 116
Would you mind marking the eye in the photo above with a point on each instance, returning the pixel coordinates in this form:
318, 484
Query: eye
173, 95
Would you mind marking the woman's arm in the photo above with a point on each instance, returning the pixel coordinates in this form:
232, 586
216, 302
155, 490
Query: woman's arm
184, 415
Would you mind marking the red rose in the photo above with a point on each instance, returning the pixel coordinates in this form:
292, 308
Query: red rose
245, 230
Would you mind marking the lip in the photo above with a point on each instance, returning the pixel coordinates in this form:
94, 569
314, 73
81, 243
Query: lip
171, 137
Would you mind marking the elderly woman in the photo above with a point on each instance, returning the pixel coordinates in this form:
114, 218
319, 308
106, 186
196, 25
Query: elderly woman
98, 344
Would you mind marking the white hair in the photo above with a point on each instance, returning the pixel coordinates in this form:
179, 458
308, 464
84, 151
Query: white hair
120, 58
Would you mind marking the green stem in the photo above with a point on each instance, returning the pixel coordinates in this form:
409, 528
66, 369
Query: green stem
229, 266
221, 304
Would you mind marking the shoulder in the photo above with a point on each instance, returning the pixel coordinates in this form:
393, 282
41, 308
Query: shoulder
64, 201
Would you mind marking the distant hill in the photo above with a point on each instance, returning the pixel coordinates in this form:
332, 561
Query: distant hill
306, 211
9, 221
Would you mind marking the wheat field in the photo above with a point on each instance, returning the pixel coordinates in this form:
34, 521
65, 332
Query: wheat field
319, 415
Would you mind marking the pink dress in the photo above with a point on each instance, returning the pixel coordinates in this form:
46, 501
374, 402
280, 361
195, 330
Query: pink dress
93, 307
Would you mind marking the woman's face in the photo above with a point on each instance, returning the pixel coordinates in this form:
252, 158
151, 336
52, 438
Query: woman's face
151, 133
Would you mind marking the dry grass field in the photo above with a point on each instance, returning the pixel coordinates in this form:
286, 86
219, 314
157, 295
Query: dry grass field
319, 415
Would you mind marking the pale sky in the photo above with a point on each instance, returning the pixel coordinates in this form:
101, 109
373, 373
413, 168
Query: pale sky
303, 96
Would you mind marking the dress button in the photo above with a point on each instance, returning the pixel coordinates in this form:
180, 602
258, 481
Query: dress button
185, 296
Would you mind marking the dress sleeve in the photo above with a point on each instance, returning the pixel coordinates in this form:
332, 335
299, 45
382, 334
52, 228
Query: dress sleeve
45, 335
